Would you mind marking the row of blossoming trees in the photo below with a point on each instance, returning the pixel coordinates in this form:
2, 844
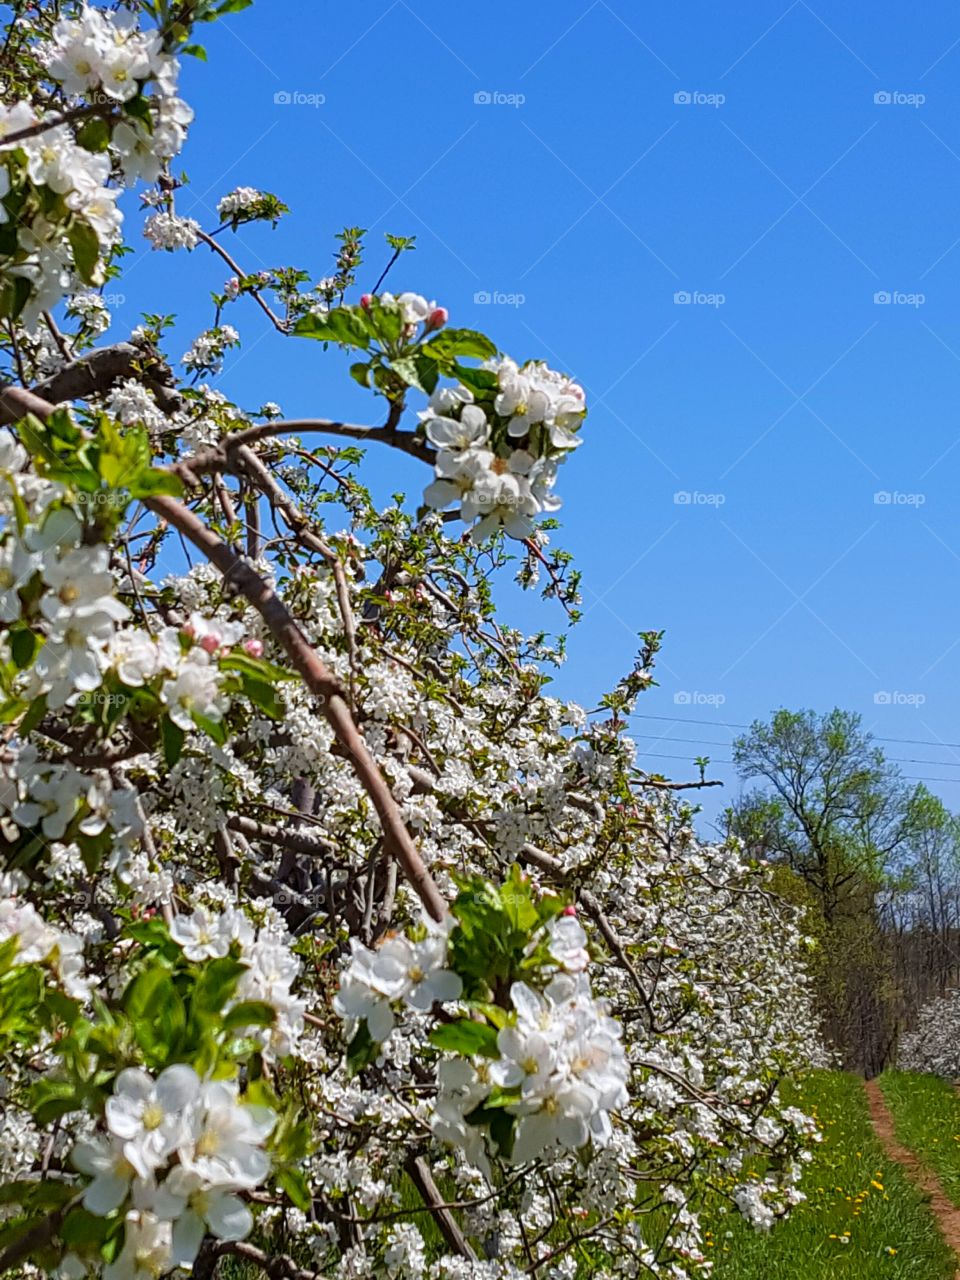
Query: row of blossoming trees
329, 941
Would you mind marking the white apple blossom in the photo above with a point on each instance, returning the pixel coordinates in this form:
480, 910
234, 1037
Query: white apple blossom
222, 1143
146, 1252
149, 1116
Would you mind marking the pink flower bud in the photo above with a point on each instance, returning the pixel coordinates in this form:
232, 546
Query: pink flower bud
366, 300
570, 910
254, 648
187, 630
210, 643
438, 318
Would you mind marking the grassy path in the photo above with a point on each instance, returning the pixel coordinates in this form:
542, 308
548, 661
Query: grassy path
943, 1208
863, 1218
926, 1116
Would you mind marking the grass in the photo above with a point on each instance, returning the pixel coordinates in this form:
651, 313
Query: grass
862, 1219
926, 1116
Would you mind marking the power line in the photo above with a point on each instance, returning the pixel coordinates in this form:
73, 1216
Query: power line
714, 742
730, 724
907, 777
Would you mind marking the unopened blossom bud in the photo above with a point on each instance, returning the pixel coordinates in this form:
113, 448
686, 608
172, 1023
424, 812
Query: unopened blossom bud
188, 630
437, 318
210, 643
254, 648
366, 300
570, 909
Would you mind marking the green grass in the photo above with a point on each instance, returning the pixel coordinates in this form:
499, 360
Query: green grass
926, 1116
854, 1194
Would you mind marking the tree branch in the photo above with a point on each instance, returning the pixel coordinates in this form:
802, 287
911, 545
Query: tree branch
419, 1173
96, 373
319, 680
218, 458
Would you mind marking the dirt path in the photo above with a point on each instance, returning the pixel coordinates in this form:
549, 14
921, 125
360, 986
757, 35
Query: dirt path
946, 1214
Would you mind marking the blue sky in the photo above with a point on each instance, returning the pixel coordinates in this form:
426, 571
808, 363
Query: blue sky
785, 167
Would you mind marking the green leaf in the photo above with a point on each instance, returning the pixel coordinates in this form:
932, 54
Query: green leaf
214, 729
480, 381
259, 668
217, 984
251, 1013
172, 738
36, 1194
153, 482
94, 135
38, 709
15, 295
264, 696
295, 1186
362, 1050
82, 1228
195, 51
50, 1099
460, 342
24, 645
343, 325
86, 249
466, 1037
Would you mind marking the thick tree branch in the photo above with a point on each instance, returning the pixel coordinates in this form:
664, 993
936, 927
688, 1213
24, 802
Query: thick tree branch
97, 372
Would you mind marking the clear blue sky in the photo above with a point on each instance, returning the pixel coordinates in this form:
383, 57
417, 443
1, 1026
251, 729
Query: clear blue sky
797, 197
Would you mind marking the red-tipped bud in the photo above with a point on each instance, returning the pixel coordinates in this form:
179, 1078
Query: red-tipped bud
366, 300
570, 910
438, 318
188, 630
254, 648
210, 643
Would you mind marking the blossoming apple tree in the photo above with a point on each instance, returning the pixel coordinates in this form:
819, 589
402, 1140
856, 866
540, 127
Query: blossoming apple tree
330, 942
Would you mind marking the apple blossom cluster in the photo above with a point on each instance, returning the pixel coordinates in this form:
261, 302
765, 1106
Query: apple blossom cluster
242, 200
558, 1056
65, 218
418, 315
564, 1058
497, 456
933, 1046
59, 805
60, 217
415, 973
205, 357
272, 969
105, 49
38, 943
177, 1155
166, 230
182, 663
